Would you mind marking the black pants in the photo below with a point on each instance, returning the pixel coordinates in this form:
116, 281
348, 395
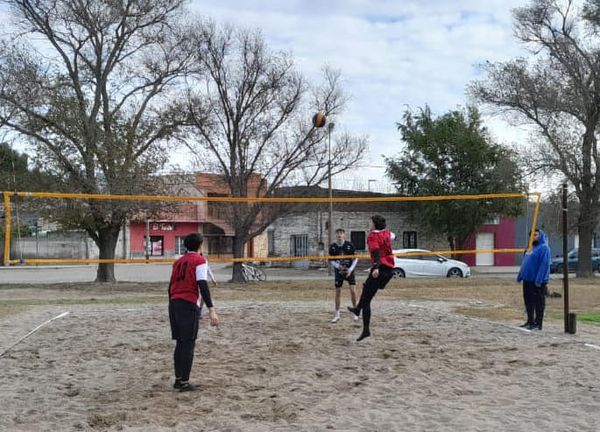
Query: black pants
535, 302
183, 316
370, 288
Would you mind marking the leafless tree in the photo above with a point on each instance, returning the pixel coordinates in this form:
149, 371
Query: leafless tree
558, 91
89, 85
252, 113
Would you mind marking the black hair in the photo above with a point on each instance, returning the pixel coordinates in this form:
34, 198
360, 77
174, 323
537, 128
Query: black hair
379, 222
193, 241
340, 230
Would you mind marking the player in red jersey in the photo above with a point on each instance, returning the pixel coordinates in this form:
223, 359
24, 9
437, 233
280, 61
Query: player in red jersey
188, 281
379, 243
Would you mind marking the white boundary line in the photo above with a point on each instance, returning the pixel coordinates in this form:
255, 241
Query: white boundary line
33, 331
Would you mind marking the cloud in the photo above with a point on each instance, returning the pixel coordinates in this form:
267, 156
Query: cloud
393, 55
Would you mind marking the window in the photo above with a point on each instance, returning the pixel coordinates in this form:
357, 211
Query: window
271, 242
179, 246
299, 245
358, 239
494, 220
409, 240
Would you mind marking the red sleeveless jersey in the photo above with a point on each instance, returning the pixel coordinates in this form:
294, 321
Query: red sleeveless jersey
381, 240
183, 285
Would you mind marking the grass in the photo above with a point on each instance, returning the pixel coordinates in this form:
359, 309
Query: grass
590, 317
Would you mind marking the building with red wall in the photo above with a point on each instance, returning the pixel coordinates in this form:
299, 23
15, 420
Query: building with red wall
167, 229
500, 234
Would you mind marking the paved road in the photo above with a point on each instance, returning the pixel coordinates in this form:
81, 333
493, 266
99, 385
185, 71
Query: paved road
133, 273
161, 273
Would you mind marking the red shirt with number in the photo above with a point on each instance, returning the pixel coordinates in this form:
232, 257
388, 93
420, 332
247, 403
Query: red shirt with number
184, 285
381, 240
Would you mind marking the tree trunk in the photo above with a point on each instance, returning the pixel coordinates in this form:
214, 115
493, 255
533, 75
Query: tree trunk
450, 240
586, 226
107, 242
238, 252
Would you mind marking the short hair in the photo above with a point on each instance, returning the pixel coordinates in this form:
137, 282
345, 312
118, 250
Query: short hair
193, 241
378, 221
340, 230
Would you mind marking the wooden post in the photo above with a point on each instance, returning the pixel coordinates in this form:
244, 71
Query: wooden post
568, 325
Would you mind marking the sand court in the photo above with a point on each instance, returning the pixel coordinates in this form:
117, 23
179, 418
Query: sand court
280, 365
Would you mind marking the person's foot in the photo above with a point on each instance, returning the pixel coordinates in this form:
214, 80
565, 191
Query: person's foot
336, 318
177, 384
533, 327
355, 311
187, 387
354, 318
363, 335
527, 324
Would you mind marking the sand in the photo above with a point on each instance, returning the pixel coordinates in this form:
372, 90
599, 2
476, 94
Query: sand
281, 366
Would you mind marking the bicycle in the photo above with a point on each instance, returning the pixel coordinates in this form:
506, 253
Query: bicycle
252, 273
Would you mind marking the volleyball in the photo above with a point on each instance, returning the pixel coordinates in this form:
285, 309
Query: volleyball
319, 119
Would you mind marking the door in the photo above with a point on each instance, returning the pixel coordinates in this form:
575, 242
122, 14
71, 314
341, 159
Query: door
157, 245
484, 241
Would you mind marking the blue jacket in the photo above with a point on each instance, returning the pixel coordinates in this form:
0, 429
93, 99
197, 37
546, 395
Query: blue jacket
536, 264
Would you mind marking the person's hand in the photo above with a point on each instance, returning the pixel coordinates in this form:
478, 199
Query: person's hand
214, 318
375, 273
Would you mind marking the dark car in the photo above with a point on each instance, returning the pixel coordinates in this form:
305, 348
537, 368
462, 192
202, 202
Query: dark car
573, 259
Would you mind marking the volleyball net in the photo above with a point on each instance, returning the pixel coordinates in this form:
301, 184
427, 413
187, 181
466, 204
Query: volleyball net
49, 228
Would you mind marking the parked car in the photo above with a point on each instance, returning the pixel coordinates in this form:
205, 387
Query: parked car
428, 265
557, 264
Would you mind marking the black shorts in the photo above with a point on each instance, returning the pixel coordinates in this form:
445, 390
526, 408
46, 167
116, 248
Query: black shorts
183, 316
340, 278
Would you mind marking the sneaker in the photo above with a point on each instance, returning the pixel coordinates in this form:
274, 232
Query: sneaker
336, 318
526, 325
533, 327
187, 387
354, 317
177, 384
355, 311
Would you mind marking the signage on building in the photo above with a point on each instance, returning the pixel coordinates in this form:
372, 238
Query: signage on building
163, 227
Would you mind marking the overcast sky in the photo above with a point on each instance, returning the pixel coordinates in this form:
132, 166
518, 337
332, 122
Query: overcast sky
393, 54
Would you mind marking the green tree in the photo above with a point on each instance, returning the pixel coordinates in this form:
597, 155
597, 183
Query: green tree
449, 155
16, 173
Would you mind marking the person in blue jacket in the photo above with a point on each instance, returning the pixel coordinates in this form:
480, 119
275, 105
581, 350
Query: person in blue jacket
535, 273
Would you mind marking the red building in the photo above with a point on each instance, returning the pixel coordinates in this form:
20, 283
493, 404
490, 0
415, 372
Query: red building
498, 234
167, 230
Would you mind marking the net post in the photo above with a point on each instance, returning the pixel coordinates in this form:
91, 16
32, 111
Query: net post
7, 221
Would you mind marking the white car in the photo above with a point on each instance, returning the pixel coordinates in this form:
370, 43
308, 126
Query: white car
427, 265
